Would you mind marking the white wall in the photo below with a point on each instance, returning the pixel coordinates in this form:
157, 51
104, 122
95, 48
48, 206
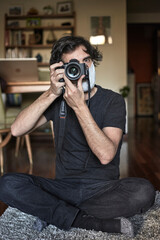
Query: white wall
112, 71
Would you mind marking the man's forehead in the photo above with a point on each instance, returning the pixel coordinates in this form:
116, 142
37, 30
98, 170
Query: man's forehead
79, 53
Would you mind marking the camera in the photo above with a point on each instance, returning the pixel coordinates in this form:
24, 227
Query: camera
74, 70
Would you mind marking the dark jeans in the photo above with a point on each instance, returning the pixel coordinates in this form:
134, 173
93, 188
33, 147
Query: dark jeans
58, 201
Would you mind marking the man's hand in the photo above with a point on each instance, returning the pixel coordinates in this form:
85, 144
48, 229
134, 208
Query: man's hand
74, 94
55, 76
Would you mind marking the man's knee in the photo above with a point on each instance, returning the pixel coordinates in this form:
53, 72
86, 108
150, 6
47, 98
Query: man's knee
143, 198
146, 194
9, 185
5, 181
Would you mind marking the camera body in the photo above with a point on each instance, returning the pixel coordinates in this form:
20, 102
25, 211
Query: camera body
74, 70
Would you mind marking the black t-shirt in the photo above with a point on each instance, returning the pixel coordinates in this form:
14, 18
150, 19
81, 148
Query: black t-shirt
76, 160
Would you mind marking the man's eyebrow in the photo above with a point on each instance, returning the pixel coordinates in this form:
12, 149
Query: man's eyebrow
86, 58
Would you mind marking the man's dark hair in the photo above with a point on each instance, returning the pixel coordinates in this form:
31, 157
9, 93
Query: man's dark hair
69, 44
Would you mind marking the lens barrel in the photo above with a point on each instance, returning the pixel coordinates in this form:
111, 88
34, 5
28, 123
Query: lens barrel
73, 71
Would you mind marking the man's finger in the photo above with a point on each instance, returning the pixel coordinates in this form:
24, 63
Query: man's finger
55, 65
69, 84
79, 85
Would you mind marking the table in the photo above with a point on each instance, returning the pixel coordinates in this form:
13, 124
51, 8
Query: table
19, 87
27, 87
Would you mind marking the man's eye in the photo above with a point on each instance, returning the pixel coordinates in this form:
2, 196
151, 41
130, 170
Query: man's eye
87, 60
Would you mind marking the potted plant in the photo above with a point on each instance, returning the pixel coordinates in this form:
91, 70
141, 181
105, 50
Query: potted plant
124, 91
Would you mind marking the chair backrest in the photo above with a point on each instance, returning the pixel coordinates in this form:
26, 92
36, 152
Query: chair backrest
2, 109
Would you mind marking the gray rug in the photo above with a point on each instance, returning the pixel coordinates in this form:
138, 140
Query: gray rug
16, 225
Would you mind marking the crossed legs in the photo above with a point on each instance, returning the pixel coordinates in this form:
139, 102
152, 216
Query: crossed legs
54, 201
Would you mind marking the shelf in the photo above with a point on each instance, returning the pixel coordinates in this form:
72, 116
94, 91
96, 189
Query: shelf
42, 64
69, 27
30, 46
27, 87
18, 34
23, 17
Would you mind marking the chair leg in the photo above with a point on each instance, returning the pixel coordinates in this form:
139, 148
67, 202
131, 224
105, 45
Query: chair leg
22, 141
17, 146
52, 130
29, 150
1, 157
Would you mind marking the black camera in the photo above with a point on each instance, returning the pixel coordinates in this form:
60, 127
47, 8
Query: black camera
74, 70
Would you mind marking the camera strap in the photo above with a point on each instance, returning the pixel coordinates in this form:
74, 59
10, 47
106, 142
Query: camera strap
89, 93
62, 117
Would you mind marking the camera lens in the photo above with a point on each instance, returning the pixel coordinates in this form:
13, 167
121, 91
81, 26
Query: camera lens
73, 71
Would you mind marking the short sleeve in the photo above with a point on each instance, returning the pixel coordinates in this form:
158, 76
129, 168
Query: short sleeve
115, 113
48, 113
52, 111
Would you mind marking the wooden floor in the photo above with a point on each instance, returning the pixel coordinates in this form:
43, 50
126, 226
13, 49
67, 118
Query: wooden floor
140, 154
144, 150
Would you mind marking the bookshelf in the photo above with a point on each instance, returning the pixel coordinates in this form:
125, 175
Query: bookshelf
29, 35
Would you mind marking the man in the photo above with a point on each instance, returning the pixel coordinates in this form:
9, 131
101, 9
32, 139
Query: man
88, 128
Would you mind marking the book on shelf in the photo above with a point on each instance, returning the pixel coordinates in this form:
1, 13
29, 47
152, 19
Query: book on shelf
14, 38
17, 53
7, 38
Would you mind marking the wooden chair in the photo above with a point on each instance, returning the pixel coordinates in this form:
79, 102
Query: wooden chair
7, 116
3, 143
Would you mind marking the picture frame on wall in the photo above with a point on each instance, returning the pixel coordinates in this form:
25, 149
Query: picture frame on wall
100, 30
15, 10
33, 22
64, 7
144, 100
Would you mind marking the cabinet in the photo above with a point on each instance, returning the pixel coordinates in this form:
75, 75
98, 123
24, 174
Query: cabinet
28, 36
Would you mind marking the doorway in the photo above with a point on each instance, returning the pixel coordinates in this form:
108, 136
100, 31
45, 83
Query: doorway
143, 62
